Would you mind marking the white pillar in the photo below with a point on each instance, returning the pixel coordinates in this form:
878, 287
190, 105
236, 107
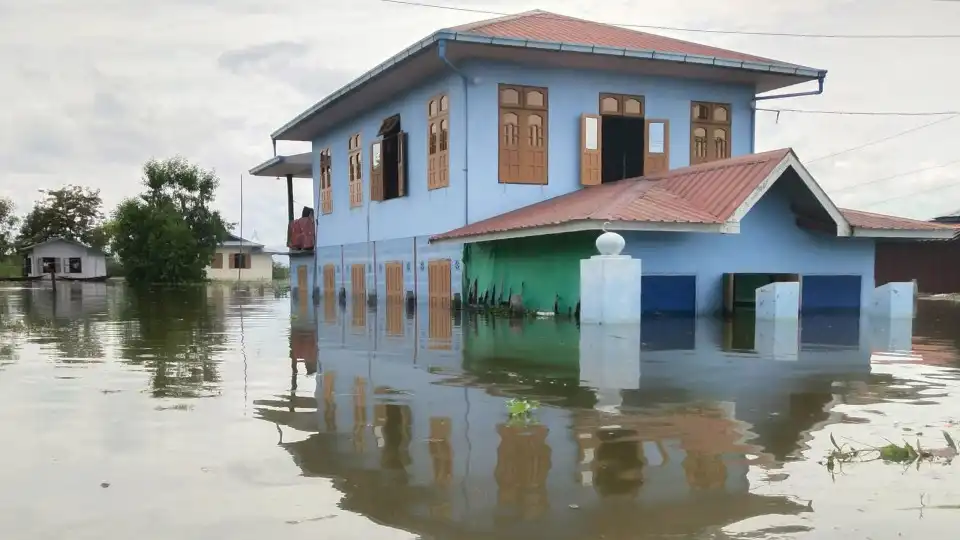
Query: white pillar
894, 300
610, 284
778, 301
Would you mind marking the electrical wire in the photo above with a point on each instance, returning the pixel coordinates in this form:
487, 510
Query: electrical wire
882, 140
891, 177
863, 113
695, 30
912, 194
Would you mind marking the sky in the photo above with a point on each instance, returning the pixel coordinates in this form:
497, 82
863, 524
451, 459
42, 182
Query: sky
93, 89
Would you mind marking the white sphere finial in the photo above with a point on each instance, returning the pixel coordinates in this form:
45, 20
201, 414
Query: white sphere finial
610, 243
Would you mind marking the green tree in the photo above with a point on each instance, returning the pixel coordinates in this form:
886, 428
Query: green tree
71, 212
169, 233
8, 225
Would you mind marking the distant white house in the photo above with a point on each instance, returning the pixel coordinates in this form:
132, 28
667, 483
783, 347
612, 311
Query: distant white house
67, 258
238, 259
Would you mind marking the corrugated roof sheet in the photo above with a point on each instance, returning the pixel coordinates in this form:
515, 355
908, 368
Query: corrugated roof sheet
869, 220
541, 25
707, 193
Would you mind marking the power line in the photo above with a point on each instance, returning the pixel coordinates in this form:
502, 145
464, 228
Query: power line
898, 197
862, 113
884, 139
899, 175
696, 30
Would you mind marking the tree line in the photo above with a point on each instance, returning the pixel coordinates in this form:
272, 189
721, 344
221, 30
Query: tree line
167, 234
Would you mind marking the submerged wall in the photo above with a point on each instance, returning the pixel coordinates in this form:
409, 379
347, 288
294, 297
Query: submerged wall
545, 270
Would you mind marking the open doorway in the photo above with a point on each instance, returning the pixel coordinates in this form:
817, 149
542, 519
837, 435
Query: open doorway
389, 161
623, 132
740, 289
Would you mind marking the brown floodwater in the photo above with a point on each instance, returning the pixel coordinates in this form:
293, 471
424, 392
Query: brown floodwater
209, 412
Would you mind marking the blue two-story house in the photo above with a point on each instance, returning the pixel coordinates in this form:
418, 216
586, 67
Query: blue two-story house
480, 162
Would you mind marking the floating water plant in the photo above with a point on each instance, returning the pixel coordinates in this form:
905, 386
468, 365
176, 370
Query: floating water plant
906, 454
522, 410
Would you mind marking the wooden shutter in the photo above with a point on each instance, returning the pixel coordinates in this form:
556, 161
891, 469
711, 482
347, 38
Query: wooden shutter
232, 261
533, 147
656, 152
376, 171
401, 164
433, 154
247, 260
591, 148
217, 261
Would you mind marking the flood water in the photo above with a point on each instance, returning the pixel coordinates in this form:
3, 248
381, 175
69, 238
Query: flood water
208, 413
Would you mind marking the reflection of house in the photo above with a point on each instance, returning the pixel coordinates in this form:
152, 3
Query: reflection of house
416, 434
66, 258
237, 259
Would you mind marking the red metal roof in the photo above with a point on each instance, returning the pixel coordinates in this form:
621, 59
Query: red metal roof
869, 220
545, 26
709, 194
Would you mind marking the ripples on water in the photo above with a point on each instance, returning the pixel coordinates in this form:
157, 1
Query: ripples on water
206, 413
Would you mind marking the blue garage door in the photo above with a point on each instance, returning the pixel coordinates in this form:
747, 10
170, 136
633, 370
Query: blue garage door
826, 294
669, 295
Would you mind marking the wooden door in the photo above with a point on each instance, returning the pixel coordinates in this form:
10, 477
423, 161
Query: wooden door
329, 280
438, 281
302, 283
394, 276
358, 280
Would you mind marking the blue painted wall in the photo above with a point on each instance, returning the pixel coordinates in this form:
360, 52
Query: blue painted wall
572, 93
769, 242
296, 262
422, 211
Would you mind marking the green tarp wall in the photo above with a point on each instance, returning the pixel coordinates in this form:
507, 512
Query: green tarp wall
544, 269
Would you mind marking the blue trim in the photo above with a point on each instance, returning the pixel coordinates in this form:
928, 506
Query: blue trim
778, 67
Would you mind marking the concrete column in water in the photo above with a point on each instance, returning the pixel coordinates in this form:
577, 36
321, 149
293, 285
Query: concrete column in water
610, 284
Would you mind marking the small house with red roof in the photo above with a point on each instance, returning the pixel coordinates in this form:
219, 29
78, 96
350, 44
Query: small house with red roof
481, 162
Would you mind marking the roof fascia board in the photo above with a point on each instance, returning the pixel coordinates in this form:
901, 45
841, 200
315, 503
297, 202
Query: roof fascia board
592, 225
925, 234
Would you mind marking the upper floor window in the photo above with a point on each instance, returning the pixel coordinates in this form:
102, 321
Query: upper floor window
438, 142
326, 182
621, 142
354, 174
709, 132
388, 161
523, 134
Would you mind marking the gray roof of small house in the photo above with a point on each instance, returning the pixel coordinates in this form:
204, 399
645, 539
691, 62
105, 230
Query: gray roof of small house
31, 247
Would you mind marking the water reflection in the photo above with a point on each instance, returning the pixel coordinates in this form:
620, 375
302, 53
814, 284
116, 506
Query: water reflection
177, 336
680, 427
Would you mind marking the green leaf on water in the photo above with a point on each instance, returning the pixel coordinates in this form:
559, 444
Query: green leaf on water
834, 441
950, 443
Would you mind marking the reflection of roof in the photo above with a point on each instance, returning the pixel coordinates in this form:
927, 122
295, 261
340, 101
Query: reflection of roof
710, 197
538, 25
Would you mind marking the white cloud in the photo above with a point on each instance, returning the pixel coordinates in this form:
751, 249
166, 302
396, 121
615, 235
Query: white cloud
95, 88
